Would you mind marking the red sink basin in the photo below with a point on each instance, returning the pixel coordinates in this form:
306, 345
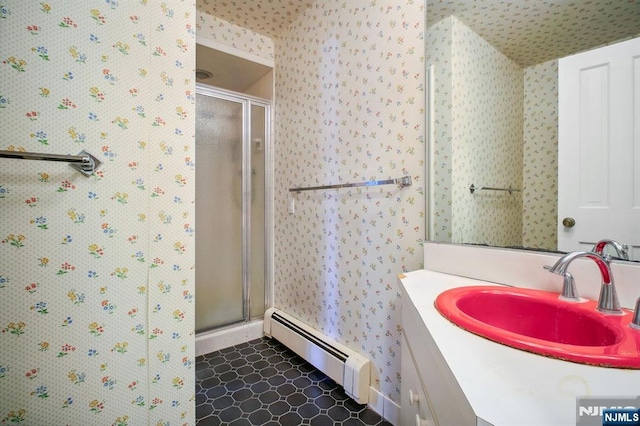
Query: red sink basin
537, 321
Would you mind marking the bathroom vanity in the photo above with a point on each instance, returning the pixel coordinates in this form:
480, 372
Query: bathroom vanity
453, 377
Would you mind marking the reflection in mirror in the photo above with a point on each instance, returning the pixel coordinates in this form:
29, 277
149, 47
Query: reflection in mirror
493, 118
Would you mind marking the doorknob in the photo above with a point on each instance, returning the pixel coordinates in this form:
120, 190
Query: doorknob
568, 222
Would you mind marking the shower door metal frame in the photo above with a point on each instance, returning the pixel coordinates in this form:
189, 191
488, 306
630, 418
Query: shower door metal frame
247, 101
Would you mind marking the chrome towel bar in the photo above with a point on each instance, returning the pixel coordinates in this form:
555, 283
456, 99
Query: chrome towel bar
473, 188
84, 162
401, 182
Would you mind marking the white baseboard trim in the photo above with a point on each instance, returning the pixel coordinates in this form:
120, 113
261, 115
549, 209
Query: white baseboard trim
214, 340
382, 405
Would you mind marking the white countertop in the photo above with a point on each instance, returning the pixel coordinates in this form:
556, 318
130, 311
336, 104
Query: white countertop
507, 386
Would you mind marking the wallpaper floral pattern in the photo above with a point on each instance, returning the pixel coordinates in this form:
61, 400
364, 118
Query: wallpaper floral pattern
439, 42
487, 141
218, 30
539, 180
539, 146
96, 274
350, 108
484, 90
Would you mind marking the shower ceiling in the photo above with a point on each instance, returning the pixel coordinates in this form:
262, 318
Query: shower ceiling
229, 72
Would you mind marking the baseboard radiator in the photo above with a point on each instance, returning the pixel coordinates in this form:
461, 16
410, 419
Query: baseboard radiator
344, 366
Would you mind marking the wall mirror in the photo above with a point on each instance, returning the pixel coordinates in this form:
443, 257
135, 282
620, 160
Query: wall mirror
493, 112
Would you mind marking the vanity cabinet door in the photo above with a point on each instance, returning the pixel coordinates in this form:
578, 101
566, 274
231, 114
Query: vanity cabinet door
447, 401
415, 409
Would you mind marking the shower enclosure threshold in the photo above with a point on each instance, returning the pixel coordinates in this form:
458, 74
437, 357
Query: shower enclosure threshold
214, 340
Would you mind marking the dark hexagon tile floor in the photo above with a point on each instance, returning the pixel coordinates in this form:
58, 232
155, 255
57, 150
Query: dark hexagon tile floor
262, 382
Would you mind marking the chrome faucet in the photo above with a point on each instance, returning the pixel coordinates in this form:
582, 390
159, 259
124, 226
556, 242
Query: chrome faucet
635, 322
608, 300
622, 250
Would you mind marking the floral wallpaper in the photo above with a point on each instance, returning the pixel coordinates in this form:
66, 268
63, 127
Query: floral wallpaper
539, 180
484, 126
350, 108
218, 30
96, 274
487, 141
439, 42
539, 150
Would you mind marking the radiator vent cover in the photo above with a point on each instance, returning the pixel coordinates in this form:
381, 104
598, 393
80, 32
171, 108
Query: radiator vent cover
343, 365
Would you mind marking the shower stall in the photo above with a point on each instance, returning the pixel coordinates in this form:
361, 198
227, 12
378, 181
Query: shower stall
232, 251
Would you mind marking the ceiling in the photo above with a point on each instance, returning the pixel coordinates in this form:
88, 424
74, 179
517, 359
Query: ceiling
267, 17
530, 32
527, 31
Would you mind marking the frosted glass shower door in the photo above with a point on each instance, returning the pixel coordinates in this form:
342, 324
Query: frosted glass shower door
219, 220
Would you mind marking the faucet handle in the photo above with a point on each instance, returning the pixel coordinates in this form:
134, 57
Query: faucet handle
624, 251
635, 322
569, 291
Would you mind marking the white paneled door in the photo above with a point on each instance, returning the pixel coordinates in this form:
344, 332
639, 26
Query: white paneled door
599, 147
